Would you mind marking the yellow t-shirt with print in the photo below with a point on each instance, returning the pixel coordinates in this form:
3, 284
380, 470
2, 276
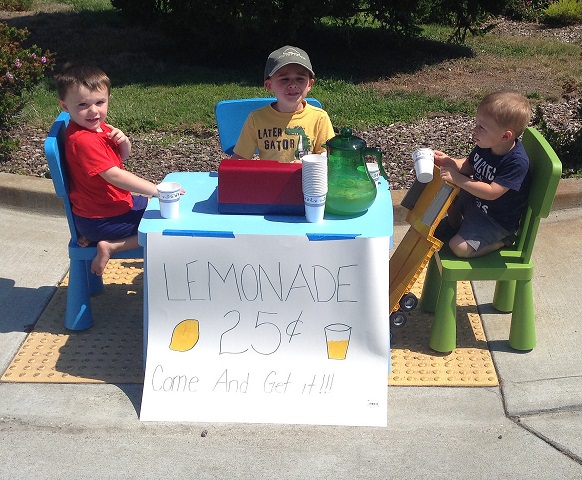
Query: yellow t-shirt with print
284, 136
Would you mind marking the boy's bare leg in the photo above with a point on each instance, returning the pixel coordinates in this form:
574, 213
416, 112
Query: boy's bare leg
463, 250
106, 248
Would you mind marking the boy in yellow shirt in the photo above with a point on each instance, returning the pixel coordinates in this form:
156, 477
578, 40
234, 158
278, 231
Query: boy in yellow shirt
288, 128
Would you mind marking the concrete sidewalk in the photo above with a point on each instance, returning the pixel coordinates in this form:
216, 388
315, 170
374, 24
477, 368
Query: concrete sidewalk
529, 427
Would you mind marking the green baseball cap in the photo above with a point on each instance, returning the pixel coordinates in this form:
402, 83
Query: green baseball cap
284, 56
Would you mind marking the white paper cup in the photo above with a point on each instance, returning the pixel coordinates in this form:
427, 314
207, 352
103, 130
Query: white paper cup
314, 174
374, 172
423, 164
169, 196
314, 207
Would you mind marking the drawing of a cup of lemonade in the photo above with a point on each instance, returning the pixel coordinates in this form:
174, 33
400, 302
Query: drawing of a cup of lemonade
337, 336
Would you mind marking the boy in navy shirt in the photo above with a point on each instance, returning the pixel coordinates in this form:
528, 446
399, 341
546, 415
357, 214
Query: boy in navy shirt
494, 179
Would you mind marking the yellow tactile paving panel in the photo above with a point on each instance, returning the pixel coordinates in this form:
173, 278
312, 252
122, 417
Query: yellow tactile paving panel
111, 350
413, 363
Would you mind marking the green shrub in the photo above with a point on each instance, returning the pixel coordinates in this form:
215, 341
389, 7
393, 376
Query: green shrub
564, 12
250, 24
212, 28
21, 69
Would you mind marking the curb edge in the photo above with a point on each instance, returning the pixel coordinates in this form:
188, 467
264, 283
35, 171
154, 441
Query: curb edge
37, 195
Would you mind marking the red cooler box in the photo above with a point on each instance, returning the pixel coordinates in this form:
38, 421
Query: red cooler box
263, 187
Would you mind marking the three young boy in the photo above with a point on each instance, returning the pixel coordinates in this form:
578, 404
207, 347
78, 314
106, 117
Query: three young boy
494, 178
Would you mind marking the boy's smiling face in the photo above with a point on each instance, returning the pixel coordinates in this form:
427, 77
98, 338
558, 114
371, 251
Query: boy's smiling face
87, 108
290, 84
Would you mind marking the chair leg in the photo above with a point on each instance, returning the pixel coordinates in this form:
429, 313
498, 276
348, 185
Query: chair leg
95, 281
78, 313
522, 334
443, 334
430, 288
504, 295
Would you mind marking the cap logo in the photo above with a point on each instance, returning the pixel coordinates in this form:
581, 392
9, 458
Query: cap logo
291, 53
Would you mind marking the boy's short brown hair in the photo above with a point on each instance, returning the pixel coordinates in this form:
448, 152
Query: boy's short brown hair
510, 110
88, 76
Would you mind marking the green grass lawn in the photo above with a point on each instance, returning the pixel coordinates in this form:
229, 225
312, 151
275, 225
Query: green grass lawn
176, 104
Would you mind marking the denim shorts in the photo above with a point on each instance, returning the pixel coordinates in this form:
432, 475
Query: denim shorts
112, 228
479, 229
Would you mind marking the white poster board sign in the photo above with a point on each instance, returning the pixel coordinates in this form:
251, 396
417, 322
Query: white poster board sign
267, 329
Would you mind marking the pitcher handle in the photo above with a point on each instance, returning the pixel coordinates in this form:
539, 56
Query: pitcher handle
375, 152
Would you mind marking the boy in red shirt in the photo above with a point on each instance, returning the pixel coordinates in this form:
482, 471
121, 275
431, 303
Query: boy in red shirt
104, 209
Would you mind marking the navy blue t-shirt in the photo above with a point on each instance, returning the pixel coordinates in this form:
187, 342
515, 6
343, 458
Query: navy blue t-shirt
510, 170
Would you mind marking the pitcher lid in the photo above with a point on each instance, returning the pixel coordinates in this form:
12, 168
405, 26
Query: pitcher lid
346, 141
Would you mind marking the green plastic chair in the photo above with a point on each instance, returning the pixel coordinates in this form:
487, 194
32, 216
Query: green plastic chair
512, 267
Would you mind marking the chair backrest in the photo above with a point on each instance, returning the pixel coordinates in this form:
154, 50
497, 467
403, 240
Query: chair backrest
546, 170
54, 149
231, 116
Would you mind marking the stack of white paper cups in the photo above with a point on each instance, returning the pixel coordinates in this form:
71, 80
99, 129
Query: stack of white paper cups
314, 180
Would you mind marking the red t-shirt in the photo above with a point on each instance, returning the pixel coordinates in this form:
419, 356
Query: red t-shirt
89, 153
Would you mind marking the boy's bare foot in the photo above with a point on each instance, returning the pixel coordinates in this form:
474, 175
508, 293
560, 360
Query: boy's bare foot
83, 241
104, 249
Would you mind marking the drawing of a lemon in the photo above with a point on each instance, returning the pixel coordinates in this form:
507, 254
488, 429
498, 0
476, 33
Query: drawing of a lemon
185, 335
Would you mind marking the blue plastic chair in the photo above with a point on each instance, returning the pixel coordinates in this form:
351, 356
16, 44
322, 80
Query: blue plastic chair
232, 114
82, 283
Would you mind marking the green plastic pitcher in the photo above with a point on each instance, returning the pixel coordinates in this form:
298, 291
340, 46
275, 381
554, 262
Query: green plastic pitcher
350, 188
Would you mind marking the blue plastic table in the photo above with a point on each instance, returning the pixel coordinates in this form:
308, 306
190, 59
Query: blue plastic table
199, 216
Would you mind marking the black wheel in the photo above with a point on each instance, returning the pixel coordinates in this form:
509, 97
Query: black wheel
408, 302
398, 318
